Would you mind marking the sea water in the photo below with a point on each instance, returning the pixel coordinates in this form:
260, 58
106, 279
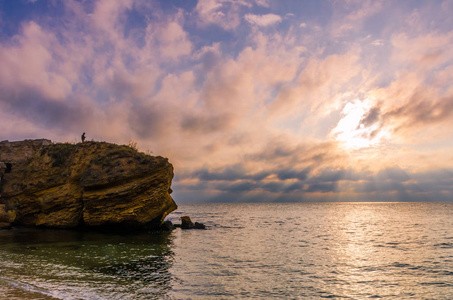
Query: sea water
250, 251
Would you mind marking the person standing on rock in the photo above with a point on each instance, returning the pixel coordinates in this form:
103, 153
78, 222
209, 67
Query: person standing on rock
83, 137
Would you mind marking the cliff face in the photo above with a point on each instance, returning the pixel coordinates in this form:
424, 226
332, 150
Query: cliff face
85, 184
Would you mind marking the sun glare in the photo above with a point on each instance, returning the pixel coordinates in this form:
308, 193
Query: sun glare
352, 131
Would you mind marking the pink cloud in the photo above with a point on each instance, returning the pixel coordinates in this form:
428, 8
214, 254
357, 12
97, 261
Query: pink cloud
30, 63
264, 3
317, 84
409, 106
264, 102
423, 51
169, 38
350, 15
106, 15
263, 20
223, 13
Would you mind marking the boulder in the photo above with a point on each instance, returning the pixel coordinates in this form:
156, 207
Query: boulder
92, 184
186, 223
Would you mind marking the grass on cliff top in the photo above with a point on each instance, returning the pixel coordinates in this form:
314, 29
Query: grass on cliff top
61, 153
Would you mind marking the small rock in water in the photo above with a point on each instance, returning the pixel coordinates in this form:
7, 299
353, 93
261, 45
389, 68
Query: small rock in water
199, 226
167, 226
186, 223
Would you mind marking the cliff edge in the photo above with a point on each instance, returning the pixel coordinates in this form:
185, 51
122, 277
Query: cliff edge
88, 184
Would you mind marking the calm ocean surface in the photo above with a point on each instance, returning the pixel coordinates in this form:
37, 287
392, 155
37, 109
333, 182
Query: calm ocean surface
260, 251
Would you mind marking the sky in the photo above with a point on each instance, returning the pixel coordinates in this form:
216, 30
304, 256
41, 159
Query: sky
251, 100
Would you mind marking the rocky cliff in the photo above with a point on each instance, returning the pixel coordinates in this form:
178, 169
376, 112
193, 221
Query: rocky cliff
86, 184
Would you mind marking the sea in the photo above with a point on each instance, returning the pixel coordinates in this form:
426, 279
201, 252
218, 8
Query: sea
249, 251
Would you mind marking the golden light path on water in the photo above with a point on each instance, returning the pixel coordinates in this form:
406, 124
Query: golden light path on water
341, 250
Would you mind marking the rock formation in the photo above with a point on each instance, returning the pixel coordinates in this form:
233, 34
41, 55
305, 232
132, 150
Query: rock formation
186, 223
86, 184
6, 218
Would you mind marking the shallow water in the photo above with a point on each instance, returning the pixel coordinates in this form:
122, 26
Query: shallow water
292, 251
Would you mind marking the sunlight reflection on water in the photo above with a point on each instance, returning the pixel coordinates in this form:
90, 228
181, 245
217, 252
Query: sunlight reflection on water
296, 251
336, 250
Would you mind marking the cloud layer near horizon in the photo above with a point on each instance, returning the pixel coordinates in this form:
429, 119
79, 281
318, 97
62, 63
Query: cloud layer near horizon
251, 100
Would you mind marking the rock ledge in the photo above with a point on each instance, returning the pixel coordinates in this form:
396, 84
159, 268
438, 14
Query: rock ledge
91, 184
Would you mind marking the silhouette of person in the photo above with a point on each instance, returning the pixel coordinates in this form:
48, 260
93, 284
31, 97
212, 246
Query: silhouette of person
83, 137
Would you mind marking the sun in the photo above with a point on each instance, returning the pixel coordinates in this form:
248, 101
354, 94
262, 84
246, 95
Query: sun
359, 126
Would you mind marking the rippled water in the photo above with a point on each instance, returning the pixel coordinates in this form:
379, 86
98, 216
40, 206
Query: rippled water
292, 251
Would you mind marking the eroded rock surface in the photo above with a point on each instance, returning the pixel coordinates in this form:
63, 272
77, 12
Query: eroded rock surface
6, 217
84, 184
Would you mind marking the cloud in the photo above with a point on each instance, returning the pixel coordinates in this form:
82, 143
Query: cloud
32, 63
349, 16
377, 43
409, 106
334, 175
106, 16
393, 174
426, 51
169, 38
279, 153
64, 76
371, 117
149, 121
390, 184
223, 13
263, 20
229, 173
209, 56
322, 187
293, 174
204, 124
421, 111
264, 3
318, 82
244, 113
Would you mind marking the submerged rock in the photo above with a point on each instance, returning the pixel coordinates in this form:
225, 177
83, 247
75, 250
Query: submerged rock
85, 184
199, 226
